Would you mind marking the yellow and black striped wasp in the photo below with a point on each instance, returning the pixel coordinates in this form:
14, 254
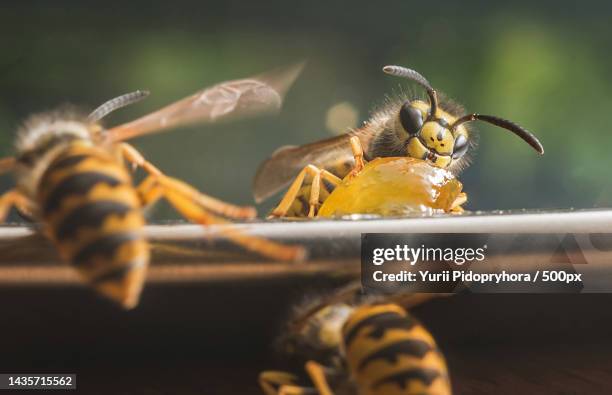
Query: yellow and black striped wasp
71, 176
435, 132
371, 346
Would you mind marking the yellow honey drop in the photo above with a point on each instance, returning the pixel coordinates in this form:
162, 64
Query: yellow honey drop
396, 186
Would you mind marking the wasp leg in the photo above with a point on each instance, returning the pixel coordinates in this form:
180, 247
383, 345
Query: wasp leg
177, 193
318, 375
315, 189
357, 156
315, 192
456, 205
205, 201
292, 193
296, 390
14, 198
282, 383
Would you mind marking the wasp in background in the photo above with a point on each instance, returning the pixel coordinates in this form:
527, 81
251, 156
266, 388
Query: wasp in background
370, 347
435, 131
71, 176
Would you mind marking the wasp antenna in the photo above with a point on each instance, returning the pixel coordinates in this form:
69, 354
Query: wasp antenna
117, 103
520, 131
404, 72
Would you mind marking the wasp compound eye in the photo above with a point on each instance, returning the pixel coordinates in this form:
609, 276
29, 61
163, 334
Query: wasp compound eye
411, 118
461, 146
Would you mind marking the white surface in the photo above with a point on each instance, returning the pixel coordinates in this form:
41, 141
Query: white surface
585, 221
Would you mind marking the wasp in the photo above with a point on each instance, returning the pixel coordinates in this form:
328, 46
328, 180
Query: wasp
435, 131
71, 176
370, 347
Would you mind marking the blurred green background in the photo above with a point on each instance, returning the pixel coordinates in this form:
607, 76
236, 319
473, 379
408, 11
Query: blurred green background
542, 65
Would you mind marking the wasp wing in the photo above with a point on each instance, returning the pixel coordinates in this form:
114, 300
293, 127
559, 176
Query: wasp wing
333, 154
227, 100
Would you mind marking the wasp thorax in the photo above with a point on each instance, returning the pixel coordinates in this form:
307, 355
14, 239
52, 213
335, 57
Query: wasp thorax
40, 132
41, 138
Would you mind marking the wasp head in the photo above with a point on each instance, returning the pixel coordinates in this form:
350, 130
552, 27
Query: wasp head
437, 136
431, 138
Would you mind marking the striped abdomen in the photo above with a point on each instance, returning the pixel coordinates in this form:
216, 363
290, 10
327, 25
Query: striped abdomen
92, 212
389, 352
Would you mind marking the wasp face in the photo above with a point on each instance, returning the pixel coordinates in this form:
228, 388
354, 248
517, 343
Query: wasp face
430, 136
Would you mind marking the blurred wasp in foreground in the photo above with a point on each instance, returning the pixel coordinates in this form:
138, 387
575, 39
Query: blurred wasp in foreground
71, 176
369, 347
435, 132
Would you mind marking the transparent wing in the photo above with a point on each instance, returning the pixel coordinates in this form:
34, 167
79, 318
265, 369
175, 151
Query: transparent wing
333, 154
227, 100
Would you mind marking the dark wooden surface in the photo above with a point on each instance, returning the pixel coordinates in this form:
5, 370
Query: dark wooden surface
214, 340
